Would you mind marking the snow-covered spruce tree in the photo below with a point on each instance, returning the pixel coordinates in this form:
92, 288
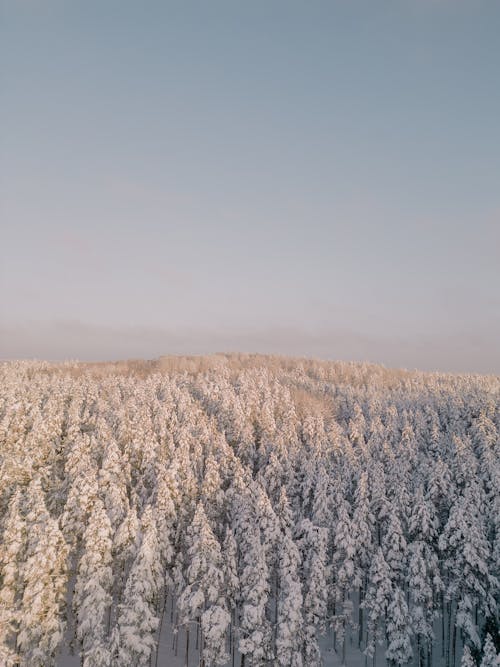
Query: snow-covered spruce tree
114, 475
343, 566
212, 495
125, 542
467, 659
305, 483
377, 599
313, 545
203, 601
357, 426
399, 650
423, 575
363, 523
464, 463
380, 506
490, 657
421, 582
231, 580
467, 553
92, 597
441, 491
133, 637
12, 552
44, 574
289, 630
166, 499
395, 547
269, 524
271, 476
82, 485
254, 629
321, 504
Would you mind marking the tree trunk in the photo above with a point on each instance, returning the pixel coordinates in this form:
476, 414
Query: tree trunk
360, 617
176, 636
454, 644
160, 626
343, 644
442, 625
448, 638
186, 655
233, 649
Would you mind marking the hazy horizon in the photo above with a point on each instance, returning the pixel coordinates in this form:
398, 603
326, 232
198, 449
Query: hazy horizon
315, 180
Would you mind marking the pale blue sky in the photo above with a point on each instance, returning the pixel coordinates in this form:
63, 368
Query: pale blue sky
318, 178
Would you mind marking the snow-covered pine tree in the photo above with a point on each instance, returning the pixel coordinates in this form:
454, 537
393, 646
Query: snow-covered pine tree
377, 599
255, 630
44, 574
289, 622
399, 650
203, 600
467, 553
490, 657
467, 659
212, 495
363, 523
92, 596
114, 475
12, 552
134, 636
343, 567
395, 547
313, 545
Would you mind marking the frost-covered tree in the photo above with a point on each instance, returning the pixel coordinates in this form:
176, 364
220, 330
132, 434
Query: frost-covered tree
44, 572
289, 630
313, 548
467, 659
490, 657
363, 523
134, 640
114, 476
212, 495
345, 574
467, 554
82, 485
378, 597
12, 552
395, 547
254, 627
203, 600
399, 650
230, 567
321, 505
125, 541
421, 593
92, 596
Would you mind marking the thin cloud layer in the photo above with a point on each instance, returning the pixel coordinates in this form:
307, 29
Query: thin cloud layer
76, 340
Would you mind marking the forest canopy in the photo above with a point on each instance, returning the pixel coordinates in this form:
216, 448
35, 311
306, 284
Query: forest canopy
247, 510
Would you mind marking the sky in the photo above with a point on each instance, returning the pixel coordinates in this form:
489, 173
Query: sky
309, 178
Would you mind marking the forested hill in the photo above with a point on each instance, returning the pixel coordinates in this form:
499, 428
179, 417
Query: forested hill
246, 510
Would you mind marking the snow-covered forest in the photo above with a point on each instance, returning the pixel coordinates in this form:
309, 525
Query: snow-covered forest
245, 510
